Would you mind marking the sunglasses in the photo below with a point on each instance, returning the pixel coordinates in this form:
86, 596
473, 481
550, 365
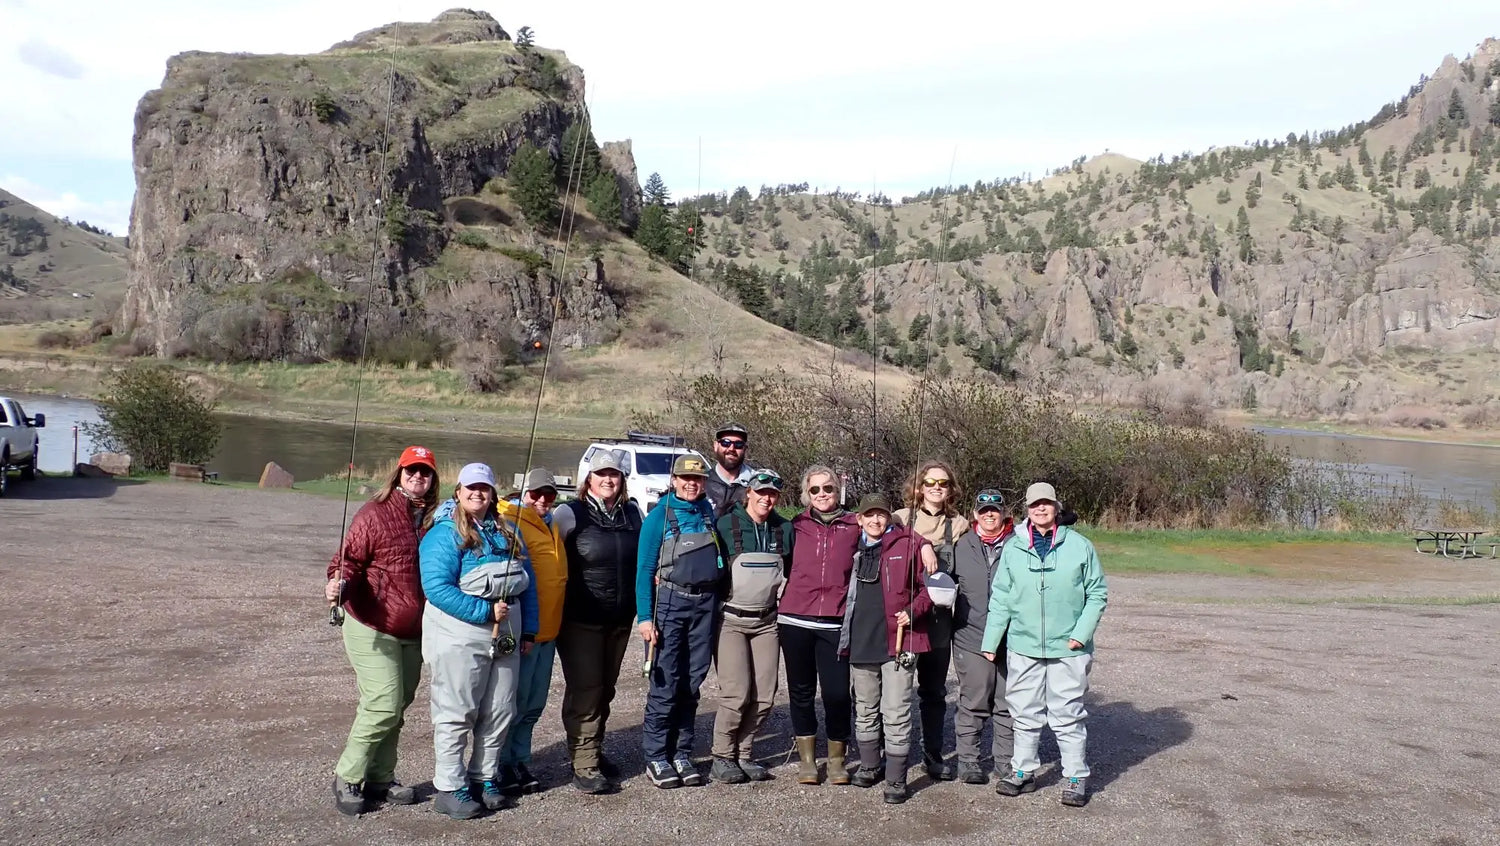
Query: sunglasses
418, 470
823, 489
731, 443
937, 483
994, 498
545, 494
765, 479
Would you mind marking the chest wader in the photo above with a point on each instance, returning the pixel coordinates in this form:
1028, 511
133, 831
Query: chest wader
755, 578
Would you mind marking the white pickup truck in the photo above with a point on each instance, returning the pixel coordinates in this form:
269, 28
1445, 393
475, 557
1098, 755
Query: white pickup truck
20, 444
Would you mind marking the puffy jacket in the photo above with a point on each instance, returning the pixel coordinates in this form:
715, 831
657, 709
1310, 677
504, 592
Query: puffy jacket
549, 565
901, 587
444, 563
974, 565
692, 516
601, 552
822, 561
1039, 605
379, 562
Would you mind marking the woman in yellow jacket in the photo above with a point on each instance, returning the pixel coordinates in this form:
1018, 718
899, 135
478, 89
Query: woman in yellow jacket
530, 511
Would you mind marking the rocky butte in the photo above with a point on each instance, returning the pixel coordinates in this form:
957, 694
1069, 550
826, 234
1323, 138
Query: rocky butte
259, 231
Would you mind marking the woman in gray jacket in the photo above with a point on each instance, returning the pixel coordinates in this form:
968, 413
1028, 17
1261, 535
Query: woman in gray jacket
981, 682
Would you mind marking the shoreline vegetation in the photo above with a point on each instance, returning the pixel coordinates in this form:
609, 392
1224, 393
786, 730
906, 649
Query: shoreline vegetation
413, 398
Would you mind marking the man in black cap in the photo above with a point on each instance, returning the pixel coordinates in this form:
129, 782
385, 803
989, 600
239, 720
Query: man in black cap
730, 478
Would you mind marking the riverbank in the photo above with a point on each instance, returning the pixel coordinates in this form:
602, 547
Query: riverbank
218, 663
586, 394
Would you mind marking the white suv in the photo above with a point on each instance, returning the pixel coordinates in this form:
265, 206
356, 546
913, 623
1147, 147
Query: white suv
646, 460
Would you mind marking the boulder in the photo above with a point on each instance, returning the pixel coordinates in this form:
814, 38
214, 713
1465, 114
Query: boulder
113, 463
275, 476
91, 471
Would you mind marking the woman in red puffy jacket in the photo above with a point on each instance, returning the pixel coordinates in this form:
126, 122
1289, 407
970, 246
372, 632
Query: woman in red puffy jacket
375, 578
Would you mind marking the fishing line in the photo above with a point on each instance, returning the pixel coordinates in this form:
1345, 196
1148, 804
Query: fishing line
336, 613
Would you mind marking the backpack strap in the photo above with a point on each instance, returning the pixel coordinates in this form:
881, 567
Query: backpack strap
736, 533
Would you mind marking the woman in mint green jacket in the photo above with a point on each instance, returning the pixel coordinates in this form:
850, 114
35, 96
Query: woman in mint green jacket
1046, 600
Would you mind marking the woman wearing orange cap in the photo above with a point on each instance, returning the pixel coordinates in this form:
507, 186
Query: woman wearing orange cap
375, 579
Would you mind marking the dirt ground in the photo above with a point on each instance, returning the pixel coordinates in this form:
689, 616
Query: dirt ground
169, 677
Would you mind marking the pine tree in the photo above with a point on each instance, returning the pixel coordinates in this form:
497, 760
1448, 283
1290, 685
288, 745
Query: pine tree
654, 233
581, 153
531, 183
655, 191
604, 198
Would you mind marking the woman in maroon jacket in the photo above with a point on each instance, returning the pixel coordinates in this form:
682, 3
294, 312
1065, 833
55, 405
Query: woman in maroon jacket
809, 616
885, 629
374, 577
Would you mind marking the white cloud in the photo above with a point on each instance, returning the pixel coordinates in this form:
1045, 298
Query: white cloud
111, 215
48, 58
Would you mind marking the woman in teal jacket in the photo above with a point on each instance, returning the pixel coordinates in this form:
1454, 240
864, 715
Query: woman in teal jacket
1046, 600
480, 617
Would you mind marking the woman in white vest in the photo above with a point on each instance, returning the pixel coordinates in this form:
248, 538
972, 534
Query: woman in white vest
756, 541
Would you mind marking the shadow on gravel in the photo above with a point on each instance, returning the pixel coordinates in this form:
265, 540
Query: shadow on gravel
52, 488
1122, 736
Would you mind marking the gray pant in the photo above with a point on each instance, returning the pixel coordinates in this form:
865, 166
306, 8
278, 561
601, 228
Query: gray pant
981, 700
473, 698
747, 659
1049, 692
882, 703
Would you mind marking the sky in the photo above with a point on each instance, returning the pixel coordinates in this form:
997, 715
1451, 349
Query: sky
863, 96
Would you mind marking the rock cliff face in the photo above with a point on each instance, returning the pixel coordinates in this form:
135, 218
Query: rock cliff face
259, 229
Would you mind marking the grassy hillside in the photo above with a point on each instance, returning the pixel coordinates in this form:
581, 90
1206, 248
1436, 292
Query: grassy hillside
52, 269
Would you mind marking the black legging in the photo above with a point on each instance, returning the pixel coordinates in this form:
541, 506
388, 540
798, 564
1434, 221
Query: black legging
932, 697
812, 659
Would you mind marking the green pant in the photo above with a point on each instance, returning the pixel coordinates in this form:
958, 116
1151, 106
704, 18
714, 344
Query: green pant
387, 670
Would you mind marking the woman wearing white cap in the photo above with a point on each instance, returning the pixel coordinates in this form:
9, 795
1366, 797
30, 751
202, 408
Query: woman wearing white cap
1046, 601
481, 615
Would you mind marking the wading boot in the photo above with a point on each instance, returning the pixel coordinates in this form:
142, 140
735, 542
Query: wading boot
837, 772
807, 760
895, 778
868, 774
348, 798
393, 792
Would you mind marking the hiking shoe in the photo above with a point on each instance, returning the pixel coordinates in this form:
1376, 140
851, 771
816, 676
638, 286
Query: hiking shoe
348, 798
490, 795
508, 783
1015, 784
894, 793
727, 771
937, 768
685, 769
458, 804
663, 774
529, 783
392, 791
754, 770
970, 773
591, 781
1075, 792
865, 777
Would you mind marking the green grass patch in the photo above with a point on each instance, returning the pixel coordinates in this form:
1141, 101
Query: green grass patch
1212, 551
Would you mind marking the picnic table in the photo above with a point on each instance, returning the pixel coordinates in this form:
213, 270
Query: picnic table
1453, 543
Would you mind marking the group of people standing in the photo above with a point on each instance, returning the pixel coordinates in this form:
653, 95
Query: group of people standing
866, 607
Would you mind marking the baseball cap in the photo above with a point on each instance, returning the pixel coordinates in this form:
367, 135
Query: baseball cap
941, 588
989, 498
689, 465
476, 474
1039, 491
418, 455
731, 428
765, 480
539, 478
605, 459
874, 502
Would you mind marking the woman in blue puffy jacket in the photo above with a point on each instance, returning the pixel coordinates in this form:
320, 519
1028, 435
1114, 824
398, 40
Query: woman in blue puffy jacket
480, 617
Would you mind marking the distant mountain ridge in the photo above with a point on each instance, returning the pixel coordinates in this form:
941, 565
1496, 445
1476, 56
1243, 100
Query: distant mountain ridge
55, 269
1354, 271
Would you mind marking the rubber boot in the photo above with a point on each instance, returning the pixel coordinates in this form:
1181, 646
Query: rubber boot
837, 772
807, 760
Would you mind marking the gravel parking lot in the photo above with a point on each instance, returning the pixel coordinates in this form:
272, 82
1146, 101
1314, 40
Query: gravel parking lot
169, 677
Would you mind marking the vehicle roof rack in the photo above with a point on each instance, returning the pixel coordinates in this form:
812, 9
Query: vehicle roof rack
634, 437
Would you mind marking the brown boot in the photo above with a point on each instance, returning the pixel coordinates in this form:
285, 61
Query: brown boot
837, 772
807, 761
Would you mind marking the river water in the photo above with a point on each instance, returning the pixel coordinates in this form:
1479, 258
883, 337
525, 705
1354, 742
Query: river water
312, 450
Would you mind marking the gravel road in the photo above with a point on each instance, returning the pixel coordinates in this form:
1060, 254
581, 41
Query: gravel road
169, 677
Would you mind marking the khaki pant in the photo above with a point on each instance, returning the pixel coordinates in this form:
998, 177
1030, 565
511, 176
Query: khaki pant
590, 656
882, 705
747, 660
387, 670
